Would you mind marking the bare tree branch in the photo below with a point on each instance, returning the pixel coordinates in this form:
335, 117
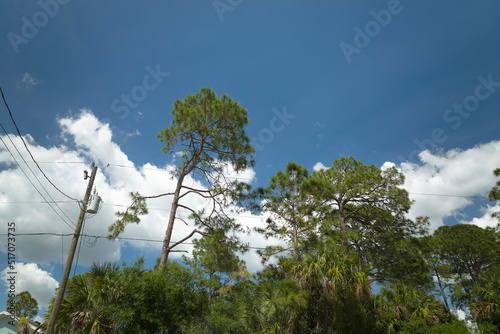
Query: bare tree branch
189, 236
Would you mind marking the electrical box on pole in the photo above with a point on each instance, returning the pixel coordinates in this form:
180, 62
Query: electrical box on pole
94, 203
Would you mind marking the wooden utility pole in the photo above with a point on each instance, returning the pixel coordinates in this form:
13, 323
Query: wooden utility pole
71, 255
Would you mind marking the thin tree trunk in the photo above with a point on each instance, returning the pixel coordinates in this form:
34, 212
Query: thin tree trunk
165, 249
343, 226
442, 290
187, 168
342, 218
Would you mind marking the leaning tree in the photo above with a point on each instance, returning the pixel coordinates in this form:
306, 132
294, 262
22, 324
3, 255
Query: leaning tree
208, 133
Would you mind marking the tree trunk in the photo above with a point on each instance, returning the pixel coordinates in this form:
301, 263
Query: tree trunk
343, 226
442, 290
165, 250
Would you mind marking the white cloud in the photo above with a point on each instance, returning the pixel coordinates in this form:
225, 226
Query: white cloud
486, 220
29, 277
30, 82
246, 176
87, 139
133, 133
387, 165
460, 314
458, 174
319, 166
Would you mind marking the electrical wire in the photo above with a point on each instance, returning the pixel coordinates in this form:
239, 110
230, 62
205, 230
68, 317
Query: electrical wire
33, 202
192, 243
106, 237
18, 164
62, 255
27, 149
162, 209
47, 162
80, 246
446, 195
142, 239
39, 192
160, 170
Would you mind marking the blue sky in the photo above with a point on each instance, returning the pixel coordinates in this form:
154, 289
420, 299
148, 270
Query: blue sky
381, 81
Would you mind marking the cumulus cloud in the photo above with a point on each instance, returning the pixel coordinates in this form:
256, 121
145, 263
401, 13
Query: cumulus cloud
458, 174
443, 185
319, 166
86, 139
486, 220
387, 165
246, 176
38, 282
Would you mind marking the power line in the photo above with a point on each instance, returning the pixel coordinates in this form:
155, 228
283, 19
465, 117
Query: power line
105, 237
121, 166
154, 240
27, 149
446, 195
149, 208
33, 202
125, 205
62, 255
46, 162
80, 246
46, 201
236, 177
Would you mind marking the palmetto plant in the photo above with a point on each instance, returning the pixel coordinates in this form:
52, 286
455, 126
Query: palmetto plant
274, 307
335, 274
337, 289
400, 304
487, 306
84, 308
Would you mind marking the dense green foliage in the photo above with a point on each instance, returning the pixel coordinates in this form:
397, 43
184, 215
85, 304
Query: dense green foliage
339, 246
346, 259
